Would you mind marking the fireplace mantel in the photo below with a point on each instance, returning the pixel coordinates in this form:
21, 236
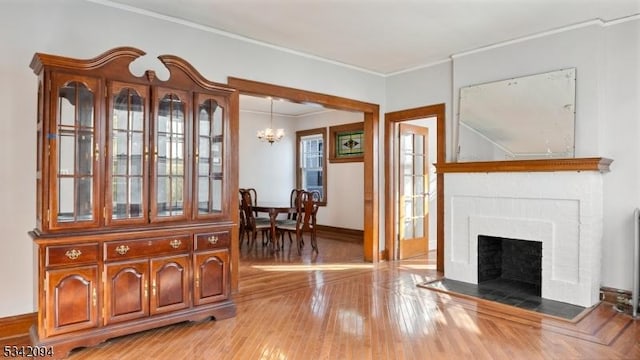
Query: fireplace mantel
571, 164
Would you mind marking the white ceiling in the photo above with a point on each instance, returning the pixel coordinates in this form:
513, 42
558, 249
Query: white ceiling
377, 36
383, 36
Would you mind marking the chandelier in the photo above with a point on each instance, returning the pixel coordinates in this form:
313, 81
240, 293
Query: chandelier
269, 134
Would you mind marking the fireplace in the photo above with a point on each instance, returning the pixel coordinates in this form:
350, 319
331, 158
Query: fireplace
516, 261
560, 211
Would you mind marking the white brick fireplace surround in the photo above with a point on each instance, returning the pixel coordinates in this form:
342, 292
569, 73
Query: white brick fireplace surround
561, 209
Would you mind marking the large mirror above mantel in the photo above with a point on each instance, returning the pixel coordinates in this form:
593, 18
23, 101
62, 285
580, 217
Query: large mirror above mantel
524, 118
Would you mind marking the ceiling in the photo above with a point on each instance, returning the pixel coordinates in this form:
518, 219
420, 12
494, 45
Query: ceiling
377, 36
382, 36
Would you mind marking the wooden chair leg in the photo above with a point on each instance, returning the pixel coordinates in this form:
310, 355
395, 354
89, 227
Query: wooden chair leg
299, 242
314, 244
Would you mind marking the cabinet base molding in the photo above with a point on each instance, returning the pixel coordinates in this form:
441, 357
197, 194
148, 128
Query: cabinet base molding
62, 345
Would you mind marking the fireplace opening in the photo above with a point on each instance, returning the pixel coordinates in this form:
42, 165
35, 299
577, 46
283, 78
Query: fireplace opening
512, 267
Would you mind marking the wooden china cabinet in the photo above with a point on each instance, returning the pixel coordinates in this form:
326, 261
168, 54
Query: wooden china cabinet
134, 198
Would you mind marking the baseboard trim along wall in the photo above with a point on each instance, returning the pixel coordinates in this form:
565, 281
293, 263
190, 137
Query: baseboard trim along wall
17, 326
342, 234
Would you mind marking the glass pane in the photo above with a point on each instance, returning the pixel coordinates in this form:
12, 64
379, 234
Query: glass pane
419, 164
204, 148
161, 166
216, 160
419, 228
203, 167
120, 143
119, 194
419, 208
136, 165
137, 112
419, 142
66, 107
163, 121
163, 191
177, 148
408, 229
408, 208
137, 143
65, 199
163, 146
120, 119
418, 185
85, 153
135, 189
408, 185
407, 143
177, 167
66, 154
85, 107
204, 129
203, 195
217, 121
83, 198
216, 196
176, 196
407, 163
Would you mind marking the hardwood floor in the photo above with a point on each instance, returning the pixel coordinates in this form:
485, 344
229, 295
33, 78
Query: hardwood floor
334, 306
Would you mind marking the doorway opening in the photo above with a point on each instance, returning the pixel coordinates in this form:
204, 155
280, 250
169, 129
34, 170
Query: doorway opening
392, 182
370, 180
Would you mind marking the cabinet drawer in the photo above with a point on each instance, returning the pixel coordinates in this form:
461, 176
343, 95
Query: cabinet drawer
71, 254
213, 240
121, 250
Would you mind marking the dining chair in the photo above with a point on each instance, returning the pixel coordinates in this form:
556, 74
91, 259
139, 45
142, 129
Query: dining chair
250, 224
306, 210
290, 221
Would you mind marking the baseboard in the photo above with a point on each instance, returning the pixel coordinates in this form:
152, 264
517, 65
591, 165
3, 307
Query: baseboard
17, 326
621, 299
342, 234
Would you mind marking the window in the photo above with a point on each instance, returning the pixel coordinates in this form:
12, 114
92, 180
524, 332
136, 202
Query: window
311, 172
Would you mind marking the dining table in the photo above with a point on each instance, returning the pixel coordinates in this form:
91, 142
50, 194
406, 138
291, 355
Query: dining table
273, 209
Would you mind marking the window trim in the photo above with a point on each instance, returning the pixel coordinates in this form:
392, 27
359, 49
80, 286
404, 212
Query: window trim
309, 132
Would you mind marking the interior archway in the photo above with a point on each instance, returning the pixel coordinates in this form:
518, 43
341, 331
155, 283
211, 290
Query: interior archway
371, 159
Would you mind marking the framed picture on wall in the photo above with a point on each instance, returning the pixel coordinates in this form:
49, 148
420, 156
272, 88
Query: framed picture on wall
346, 143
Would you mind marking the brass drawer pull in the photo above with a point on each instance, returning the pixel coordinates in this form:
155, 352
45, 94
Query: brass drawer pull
175, 243
213, 239
73, 254
122, 249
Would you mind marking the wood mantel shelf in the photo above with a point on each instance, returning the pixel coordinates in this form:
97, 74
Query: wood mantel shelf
572, 164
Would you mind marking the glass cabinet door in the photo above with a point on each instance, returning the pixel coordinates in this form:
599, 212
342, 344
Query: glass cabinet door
209, 145
169, 173
128, 151
74, 152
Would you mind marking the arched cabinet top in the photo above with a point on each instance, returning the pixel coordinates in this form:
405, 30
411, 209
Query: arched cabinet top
120, 55
114, 64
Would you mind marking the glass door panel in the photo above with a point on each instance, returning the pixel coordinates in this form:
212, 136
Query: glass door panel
127, 154
413, 175
75, 152
209, 155
169, 156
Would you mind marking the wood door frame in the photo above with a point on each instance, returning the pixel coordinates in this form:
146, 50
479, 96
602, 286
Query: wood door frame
390, 119
371, 159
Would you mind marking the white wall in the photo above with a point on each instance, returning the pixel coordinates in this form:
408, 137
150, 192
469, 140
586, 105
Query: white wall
620, 127
82, 29
607, 110
269, 168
